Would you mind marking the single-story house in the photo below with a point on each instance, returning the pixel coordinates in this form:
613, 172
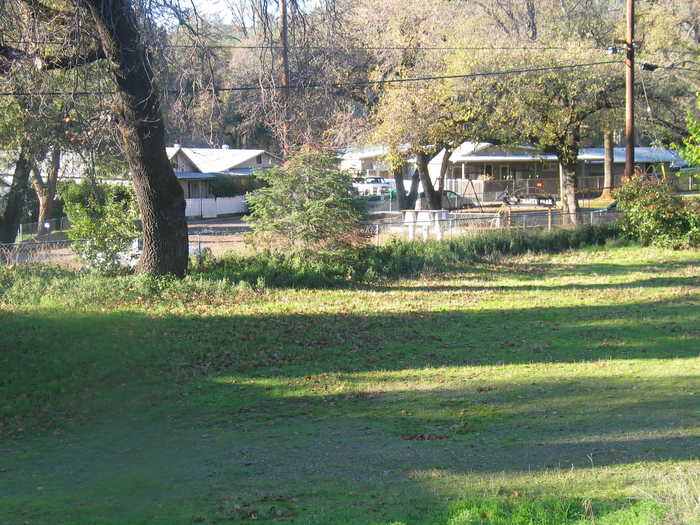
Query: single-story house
368, 161
648, 159
481, 170
196, 168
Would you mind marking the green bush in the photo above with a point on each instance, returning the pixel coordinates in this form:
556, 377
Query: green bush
308, 204
237, 278
653, 215
396, 259
231, 186
104, 221
47, 285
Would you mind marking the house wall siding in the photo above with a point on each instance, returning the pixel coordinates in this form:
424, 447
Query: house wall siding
182, 164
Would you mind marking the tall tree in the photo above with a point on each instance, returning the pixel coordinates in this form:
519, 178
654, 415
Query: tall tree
159, 194
10, 220
418, 119
319, 53
45, 188
114, 30
16, 143
549, 108
608, 158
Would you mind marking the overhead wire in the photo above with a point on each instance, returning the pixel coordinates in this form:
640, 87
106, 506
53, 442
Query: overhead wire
358, 47
342, 84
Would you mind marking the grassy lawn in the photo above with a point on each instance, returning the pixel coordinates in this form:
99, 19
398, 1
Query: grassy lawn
535, 390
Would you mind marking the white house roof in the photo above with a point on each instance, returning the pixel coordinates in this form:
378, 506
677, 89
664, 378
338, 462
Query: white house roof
214, 160
476, 152
367, 152
645, 155
467, 149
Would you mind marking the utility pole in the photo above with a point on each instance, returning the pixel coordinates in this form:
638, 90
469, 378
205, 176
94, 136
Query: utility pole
284, 81
629, 91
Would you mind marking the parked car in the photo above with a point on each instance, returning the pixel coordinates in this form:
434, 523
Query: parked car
612, 207
450, 201
372, 186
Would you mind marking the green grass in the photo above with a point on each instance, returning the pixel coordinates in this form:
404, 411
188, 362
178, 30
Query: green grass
538, 389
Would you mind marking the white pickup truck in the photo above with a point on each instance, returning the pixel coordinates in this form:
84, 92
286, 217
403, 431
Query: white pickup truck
373, 186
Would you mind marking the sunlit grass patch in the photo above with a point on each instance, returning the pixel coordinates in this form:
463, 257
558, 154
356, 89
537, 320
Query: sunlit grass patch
563, 387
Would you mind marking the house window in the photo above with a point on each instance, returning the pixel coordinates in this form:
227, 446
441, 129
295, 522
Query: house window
488, 170
259, 159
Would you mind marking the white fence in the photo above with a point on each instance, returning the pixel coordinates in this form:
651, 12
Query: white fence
215, 206
454, 224
34, 229
35, 252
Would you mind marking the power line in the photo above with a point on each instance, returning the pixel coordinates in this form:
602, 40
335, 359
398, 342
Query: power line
441, 77
343, 84
367, 48
381, 48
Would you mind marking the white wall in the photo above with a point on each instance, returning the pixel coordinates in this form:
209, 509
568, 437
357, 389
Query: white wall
213, 207
225, 205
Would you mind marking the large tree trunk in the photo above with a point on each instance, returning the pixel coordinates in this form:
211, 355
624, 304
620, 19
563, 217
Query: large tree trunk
569, 201
46, 190
568, 158
413, 192
401, 196
608, 180
158, 192
434, 198
406, 201
9, 222
444, 166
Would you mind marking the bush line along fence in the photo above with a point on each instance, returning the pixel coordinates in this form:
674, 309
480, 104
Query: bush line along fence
399, 258
34, 229
449, 225
454, 226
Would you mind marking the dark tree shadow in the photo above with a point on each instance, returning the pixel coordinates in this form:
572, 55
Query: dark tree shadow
92, 372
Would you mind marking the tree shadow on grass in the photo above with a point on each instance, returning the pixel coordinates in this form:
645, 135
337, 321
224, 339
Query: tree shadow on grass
39, 347
288, 275
587, 269
249, 404
653, 282
250, 447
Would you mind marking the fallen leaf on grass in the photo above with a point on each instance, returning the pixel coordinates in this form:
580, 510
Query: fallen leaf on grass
424, 437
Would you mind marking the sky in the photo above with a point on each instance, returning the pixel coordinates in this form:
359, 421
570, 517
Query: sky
215, 9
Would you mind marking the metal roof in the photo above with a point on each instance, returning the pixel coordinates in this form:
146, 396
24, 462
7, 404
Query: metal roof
645, 155
214, 160
195, 176
475, 152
